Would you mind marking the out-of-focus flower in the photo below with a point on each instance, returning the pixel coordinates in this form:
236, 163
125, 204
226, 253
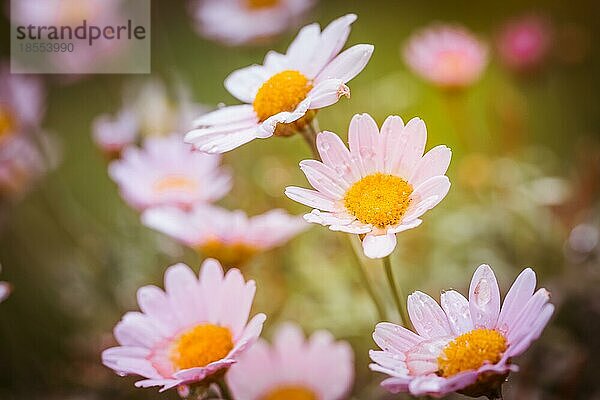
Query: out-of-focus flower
112, 135
446, 55
21, 141
73, 13
5, 289
229, 236
464, 346
378, 188
195, 328
524, 43
283, 94
237, 22
166, 171
294, 368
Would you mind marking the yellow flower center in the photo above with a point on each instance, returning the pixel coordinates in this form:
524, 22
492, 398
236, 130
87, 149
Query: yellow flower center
470, 351
179, 183
259, 4
282, 92
379, 199
290, 393
201, 345
7, 122
229, 254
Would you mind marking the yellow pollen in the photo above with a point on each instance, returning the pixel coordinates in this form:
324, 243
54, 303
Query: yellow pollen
470, 351
379, 199
200, 346
282, 92
175, 183
259, 4
229, 254
290, 393
7, 122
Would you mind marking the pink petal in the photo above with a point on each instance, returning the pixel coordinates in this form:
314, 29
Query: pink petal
516, 298
435, 162
334, 154
379, 246
323, 178
427, 316
457, 310
484, 298
396, 338
410, 148
392, 142
311, 198
348, 64
363, 137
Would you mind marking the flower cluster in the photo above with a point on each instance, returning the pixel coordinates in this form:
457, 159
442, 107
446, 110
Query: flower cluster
196, 332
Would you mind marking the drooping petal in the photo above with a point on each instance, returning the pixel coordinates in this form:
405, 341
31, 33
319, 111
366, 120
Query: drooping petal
379, 246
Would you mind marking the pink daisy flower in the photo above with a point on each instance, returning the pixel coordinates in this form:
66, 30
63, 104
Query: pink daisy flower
524, 43
382, 186
166, 171
237, 22
464, 346
283, 94
113, 134
195, 328
446, 55
229, 236
294, 368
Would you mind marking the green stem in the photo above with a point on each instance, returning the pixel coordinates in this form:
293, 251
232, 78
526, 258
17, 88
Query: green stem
225, 393
365, 279
397, 294
309, 133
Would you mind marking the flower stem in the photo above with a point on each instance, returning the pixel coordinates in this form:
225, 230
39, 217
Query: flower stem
225, 393
365, 279
397, 294
309, 133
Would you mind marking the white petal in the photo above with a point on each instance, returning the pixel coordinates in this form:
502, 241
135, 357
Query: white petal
348, 64
327, 93
379, 246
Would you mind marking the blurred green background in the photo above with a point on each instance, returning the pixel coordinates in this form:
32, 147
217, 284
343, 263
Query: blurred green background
525, 173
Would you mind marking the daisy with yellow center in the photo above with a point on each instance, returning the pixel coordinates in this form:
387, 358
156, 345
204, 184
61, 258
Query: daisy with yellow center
238, 22
283, 95
166, 171
194, 329
464, 346
446, 55
228, 236
294, 368
380, 187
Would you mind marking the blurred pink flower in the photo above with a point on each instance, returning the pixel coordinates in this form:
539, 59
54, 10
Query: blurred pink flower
464, 346
237, 22
194, 329
382, 186
294, 368
21, 140
524, 43
166, 171
229, 236
282, 94
113, 134
447, 56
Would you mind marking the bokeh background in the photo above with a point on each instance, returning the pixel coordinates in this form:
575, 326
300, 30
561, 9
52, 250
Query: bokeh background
525, 174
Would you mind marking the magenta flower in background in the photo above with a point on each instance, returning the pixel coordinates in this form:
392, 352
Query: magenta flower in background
448, 56
464, 346
238, 22
524, 43
166, 171
192, 330
381, 187
294, 367
229, 236
282, 95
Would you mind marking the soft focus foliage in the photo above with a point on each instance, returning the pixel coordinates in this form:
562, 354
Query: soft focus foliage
525, 176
